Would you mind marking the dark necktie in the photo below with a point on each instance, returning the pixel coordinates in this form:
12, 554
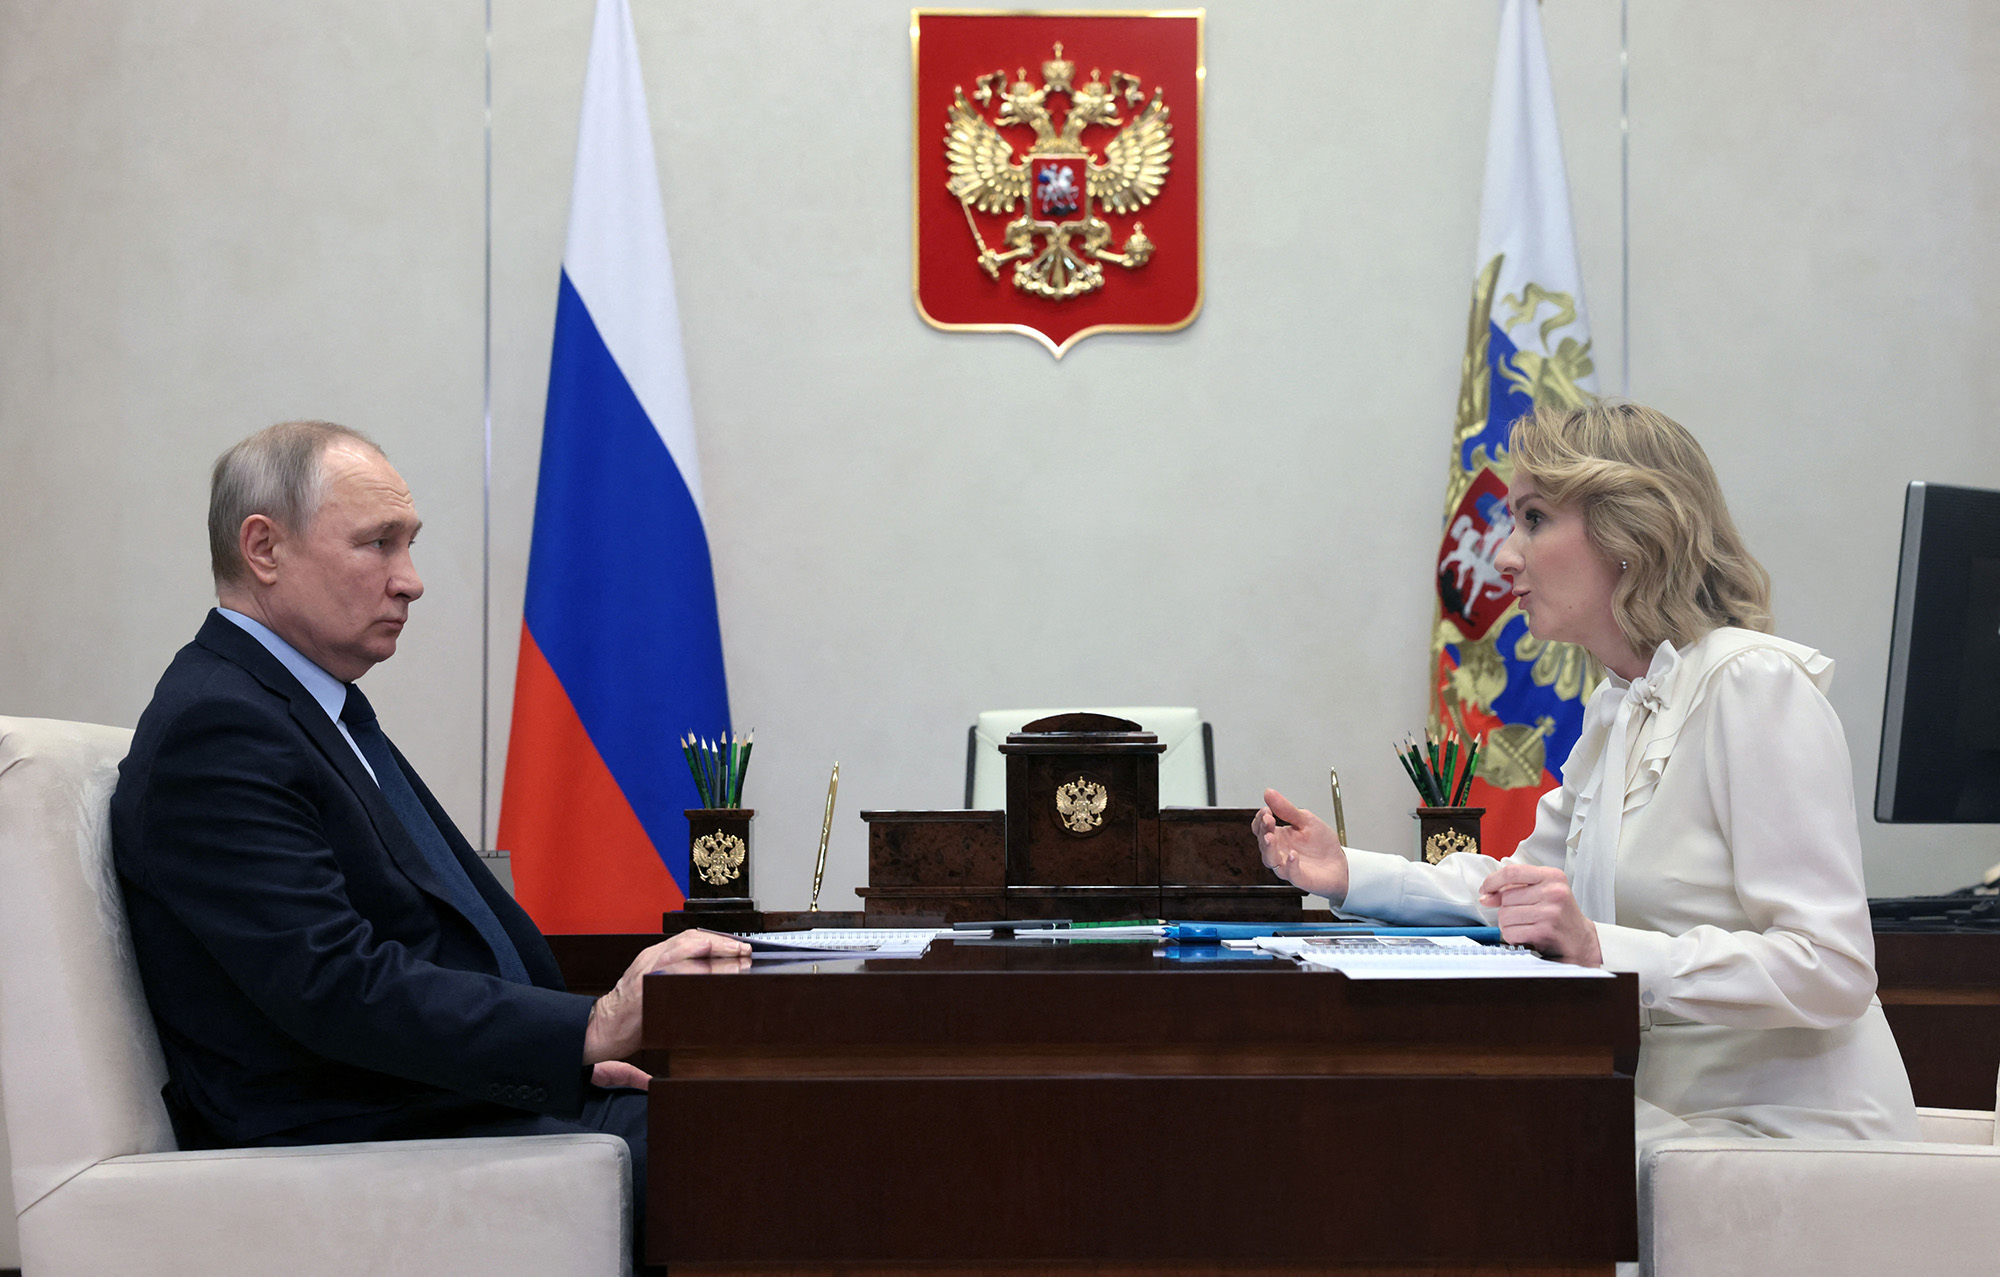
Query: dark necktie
359, 716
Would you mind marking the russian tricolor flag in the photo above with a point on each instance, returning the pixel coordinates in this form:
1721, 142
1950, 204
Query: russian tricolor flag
621, 651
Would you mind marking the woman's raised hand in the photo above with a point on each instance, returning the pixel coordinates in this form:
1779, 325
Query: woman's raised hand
1300, 847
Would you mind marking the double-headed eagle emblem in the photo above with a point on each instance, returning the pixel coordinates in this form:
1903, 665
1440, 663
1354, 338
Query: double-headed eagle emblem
1059, 177
718, 858
1081, 805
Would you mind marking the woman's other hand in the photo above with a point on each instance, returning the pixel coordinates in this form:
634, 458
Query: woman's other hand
1302, 850
1538, 910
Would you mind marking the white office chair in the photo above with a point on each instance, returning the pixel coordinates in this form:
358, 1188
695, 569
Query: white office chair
1724, 1208
98, 1184
1187, 768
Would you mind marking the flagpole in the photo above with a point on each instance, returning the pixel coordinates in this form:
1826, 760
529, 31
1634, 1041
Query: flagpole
486, 473
1624, 202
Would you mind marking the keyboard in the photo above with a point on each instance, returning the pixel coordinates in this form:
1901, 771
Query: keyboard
1960, 911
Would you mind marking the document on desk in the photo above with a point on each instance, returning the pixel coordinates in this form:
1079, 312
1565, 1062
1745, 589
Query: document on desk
1074, 932
1425, 958
840, 942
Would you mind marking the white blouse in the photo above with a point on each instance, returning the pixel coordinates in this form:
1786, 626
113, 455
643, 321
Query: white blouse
1728, 877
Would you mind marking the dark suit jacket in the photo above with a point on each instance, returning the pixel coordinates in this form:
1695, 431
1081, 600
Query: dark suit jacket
309, 979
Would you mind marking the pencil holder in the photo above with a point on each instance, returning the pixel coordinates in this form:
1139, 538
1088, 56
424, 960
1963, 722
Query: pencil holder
1445, 831
719, 857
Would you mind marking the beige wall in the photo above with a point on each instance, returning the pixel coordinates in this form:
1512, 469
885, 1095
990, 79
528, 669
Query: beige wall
214, 215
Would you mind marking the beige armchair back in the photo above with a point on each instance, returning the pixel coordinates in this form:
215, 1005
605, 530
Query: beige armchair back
98, 1185
80, 1060
1187, 767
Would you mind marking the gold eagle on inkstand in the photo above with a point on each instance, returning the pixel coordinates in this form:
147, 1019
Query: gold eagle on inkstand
1059, 177
1081, 805
718, 858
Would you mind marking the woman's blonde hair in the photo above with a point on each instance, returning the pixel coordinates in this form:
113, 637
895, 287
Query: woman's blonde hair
1649, 499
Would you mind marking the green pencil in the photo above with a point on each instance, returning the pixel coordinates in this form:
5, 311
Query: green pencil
749, 743
1407, 769
729, 769
1465, 780
687, 752
1426, 790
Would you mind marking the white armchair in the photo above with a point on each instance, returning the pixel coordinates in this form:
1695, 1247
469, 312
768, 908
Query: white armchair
1721, 1207
98, 1184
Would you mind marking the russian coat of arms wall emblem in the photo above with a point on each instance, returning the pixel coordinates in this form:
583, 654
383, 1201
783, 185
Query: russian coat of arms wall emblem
1057, 172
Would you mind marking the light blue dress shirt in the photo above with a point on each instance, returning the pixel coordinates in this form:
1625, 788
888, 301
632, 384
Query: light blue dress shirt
329, 691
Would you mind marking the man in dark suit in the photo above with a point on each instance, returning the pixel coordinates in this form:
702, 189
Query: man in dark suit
326, 958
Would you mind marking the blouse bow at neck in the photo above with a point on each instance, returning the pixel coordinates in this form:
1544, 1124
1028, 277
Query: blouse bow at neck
1617, 717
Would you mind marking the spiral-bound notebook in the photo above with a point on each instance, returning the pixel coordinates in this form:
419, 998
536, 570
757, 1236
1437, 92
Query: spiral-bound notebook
1424, 958
840, 942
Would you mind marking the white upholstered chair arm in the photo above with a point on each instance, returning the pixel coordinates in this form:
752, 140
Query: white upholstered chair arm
1955, 1126
1721, 1207
544, 1204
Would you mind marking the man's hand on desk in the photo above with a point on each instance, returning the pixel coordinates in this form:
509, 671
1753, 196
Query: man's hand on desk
1303, 850
613, 1031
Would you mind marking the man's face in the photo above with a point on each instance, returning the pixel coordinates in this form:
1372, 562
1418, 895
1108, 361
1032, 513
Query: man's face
344, 587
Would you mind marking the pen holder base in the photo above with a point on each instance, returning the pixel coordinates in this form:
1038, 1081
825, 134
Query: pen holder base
1448, 831
742, 917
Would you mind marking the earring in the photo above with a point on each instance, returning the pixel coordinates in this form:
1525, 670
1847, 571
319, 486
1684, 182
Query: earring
1622, 565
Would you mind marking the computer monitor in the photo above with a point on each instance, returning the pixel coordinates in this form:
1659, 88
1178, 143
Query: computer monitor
1941, 725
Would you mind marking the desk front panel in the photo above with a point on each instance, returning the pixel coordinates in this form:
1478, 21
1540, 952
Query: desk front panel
1099, 1104
1220, 1170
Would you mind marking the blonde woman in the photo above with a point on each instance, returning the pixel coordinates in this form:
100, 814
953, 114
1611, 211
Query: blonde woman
1704, 834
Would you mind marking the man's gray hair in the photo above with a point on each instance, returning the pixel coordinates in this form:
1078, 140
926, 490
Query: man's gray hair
276, 473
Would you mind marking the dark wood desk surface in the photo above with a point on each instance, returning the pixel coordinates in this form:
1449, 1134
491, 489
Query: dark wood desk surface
987, 1107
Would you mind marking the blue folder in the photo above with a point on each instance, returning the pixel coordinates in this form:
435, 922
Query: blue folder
1217, 932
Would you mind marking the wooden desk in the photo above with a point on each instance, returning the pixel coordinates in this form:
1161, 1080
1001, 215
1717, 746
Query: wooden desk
1941, 993
991, 1108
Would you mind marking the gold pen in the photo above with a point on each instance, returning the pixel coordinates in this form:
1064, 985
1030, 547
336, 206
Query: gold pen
825, 834
1339, 816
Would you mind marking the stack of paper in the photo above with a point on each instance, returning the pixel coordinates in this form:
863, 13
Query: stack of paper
840, 942
1074, 931
1423, 958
